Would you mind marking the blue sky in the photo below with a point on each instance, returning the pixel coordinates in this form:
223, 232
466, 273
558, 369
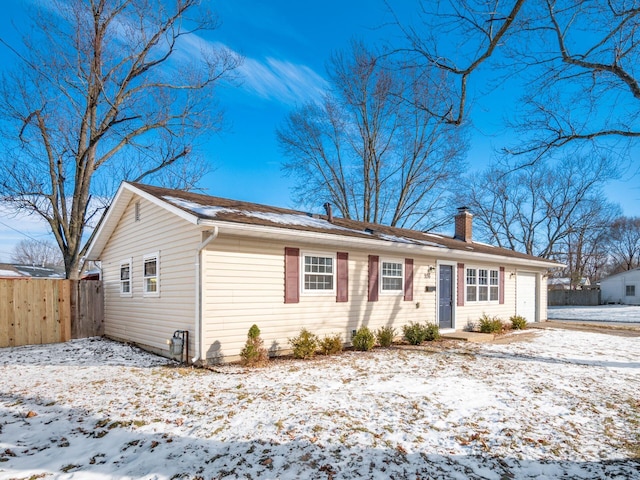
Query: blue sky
286, 45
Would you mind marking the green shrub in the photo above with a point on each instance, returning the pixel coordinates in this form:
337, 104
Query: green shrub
330, 345
490, 324
432, 332
518, 322
304, 345
385, 336
414, 333
363, 340
254, 354
254, 332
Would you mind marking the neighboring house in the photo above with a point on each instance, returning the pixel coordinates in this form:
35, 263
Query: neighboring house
564, 283
173, 260
622, 288
17, 270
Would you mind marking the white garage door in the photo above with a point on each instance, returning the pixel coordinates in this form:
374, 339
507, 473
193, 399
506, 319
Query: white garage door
526, 296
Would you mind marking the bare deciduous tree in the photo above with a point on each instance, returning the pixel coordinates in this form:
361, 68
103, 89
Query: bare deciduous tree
584, 250
34, 252
541, 209
578, 58
371, 147
105, 89
624, 243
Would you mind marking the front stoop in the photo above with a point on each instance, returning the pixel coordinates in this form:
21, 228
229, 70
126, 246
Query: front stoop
473, 337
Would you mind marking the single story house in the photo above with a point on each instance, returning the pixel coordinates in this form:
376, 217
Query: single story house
173, 260
622, 288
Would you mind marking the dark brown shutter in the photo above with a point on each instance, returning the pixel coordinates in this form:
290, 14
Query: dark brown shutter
373, 278
408, 279
461, 280
342, 277
291, 275
501, 285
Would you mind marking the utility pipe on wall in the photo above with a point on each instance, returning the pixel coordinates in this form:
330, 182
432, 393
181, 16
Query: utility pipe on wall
213, 234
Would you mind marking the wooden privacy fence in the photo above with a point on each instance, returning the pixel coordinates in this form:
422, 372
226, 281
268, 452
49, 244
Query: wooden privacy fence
36, 311
585, 297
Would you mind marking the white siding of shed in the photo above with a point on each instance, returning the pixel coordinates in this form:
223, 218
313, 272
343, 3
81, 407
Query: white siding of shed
150, 321
614, 288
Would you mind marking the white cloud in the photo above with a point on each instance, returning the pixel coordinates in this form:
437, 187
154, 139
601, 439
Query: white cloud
282, 81
269, 78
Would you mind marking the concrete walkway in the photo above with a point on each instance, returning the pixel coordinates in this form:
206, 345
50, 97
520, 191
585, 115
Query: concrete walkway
473, 337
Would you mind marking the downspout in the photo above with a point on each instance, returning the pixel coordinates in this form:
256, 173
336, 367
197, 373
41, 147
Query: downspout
213, 234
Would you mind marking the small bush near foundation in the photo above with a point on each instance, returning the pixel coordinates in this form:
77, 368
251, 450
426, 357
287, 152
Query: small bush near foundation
385, 336
432, 332
330, 345
304, 345
414, 333
254, 354
470, 326
363, 340
489, 324
518, 322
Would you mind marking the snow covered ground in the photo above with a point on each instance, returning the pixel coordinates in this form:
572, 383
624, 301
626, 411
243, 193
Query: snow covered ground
602, 313
564, 403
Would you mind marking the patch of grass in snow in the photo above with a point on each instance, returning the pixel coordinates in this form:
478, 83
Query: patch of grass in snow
68, 468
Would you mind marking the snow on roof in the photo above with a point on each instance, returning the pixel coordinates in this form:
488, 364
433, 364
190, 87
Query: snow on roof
198, 209
10, 273
40, 272
301, 220
196, 206
298, 219
394, 238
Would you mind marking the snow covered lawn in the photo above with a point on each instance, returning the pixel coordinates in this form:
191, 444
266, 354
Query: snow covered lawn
563, 403
602, 313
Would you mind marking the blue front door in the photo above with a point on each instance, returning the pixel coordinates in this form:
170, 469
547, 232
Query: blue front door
445, 296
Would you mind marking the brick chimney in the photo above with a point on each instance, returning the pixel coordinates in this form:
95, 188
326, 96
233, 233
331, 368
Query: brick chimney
464, 225
328, 209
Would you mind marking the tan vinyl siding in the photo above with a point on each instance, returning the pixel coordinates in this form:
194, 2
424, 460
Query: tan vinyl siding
472, 311
146, 320
244, 284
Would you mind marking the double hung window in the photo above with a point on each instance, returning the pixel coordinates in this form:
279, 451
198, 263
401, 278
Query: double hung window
318, 273
392, 276
125, 278
482, 285
151, 284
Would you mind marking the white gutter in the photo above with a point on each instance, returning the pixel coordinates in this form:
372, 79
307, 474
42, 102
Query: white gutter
213, 234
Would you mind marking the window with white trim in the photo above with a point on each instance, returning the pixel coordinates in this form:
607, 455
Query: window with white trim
472, 285
630, 290
483, 285
125, 278
151, 275
318, 273
392, 276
